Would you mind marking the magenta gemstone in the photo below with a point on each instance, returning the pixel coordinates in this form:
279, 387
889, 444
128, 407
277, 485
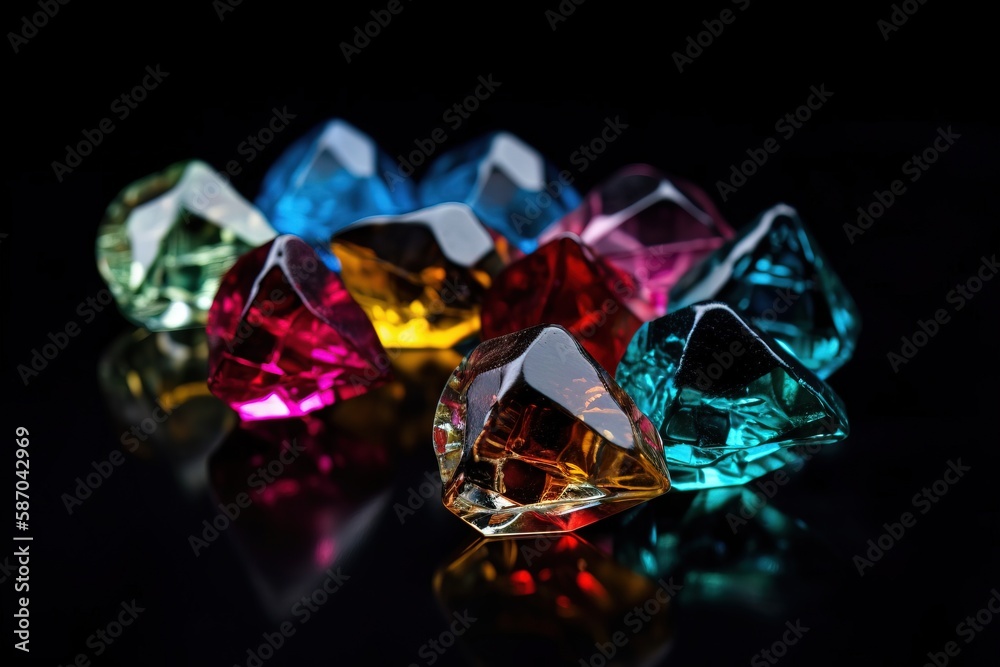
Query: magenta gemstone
285, 337
652, 227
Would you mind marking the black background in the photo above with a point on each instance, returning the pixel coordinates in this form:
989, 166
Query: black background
557, 87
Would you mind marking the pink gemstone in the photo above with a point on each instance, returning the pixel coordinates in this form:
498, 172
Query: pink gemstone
652, 227
285, 338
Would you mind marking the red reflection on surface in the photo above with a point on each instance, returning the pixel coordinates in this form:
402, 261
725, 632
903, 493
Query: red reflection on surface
589, 584
523, 582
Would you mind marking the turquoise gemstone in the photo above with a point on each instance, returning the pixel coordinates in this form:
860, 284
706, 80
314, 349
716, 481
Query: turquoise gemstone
508, 184
727, 399
774, 271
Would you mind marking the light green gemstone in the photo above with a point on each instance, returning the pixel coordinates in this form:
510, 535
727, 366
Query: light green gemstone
166, 241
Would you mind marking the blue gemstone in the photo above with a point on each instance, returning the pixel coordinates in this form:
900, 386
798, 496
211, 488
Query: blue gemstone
508, 184
774, 272
728, 400
328, 179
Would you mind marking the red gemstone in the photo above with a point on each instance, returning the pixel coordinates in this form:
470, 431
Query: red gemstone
564, 283
285, 337
652, 227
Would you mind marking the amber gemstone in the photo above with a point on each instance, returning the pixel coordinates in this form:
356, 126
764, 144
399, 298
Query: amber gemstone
532, 435
564, 283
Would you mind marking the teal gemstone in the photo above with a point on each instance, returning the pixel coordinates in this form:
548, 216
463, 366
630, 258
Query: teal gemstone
773, 270
727, 399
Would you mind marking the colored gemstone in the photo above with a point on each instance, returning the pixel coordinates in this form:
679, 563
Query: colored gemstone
328, 179
420, 277
533, 436
733, 547
727, 399
167, 239
285, 338
507, 183
775, 272
652, 227
558, 597
563, 283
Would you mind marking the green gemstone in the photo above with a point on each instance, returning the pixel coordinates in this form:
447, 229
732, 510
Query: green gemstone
727, 399
167, 239
774, 271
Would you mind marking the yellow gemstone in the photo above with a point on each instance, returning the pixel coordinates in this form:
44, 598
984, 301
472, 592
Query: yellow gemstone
420, 277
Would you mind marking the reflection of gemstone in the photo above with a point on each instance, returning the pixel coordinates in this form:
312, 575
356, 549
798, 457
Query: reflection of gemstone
329, 178
341, 464
563, 283
155, 387
420, 277
533, 436
506, 182
310, 494
775, 272
731, 546
726, 397
559, 598
167, 239
651, 227
285, 337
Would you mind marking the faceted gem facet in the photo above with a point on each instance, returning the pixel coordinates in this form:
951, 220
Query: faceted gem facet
533, 436
285, 337
167, 239
420, 277
554, 598
507, 183
329, 178
652, 227
563, 283
774, 271
727, 399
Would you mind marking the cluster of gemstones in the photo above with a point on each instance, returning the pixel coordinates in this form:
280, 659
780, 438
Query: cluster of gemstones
620, 334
